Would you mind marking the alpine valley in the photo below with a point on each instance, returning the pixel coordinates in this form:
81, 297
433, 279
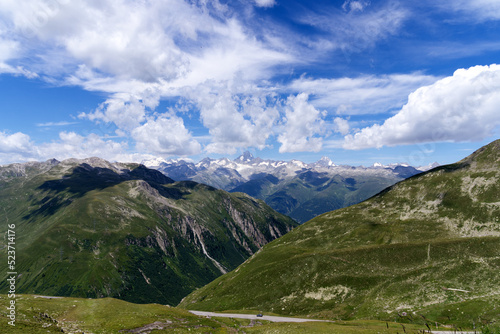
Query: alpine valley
297, 189
90, 228
422, 253
426, 249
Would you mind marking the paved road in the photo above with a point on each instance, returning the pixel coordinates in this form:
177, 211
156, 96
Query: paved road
253, 316
47, 297
450, 332
286, 319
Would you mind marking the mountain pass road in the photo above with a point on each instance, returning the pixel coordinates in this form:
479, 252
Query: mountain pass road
253, 316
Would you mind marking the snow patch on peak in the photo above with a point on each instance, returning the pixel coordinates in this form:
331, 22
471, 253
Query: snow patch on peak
298, 163
245, 157
326, 162
154, 162
428, 167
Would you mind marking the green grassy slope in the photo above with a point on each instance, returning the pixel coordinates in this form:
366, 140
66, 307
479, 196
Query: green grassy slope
35, 314
429, 245
310, 194
127, 232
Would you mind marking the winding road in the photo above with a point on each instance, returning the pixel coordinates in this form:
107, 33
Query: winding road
285, 319
254, 317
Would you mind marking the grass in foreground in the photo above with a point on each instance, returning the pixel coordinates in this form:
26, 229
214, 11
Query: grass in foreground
35, 314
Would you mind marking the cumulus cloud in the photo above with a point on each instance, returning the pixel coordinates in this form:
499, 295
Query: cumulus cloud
303, 124
125, 111
20, 147
73, 145
140, 53
341, 125
165, 136
364, 94
235, 119
15, 147
15, 143
462, 107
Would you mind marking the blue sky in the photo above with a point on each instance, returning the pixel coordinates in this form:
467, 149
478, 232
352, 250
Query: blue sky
359, 81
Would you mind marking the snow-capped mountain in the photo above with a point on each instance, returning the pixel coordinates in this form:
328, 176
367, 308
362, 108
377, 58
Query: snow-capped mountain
301, 190
246, 167
428, 167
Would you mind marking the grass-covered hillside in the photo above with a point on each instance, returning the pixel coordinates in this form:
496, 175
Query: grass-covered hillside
312, 193
427, 247
89, 228
39, 314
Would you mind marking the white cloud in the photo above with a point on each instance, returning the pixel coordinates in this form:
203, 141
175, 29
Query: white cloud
233, 52
357, 29
151, 42
265, 3
462, 107
16, 71
142, 52
20, 147
235, 117
341, 125
352, 5
73, 145
483, 10
303, 124
51, 124
124, 110
165, 136
8, 49
15, 143
362, 95
117, 37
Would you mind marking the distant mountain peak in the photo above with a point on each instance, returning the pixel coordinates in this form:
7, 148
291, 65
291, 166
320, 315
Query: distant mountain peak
245, 157
155, 162
325, 161
428, 167
92, 161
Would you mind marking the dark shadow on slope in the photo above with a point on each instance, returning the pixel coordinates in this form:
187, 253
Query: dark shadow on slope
85, 178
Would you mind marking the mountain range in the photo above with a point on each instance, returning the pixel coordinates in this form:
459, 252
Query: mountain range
91, 228
427, 247
423, 252
294, 188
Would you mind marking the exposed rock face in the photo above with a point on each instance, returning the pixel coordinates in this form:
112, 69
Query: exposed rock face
92, 228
